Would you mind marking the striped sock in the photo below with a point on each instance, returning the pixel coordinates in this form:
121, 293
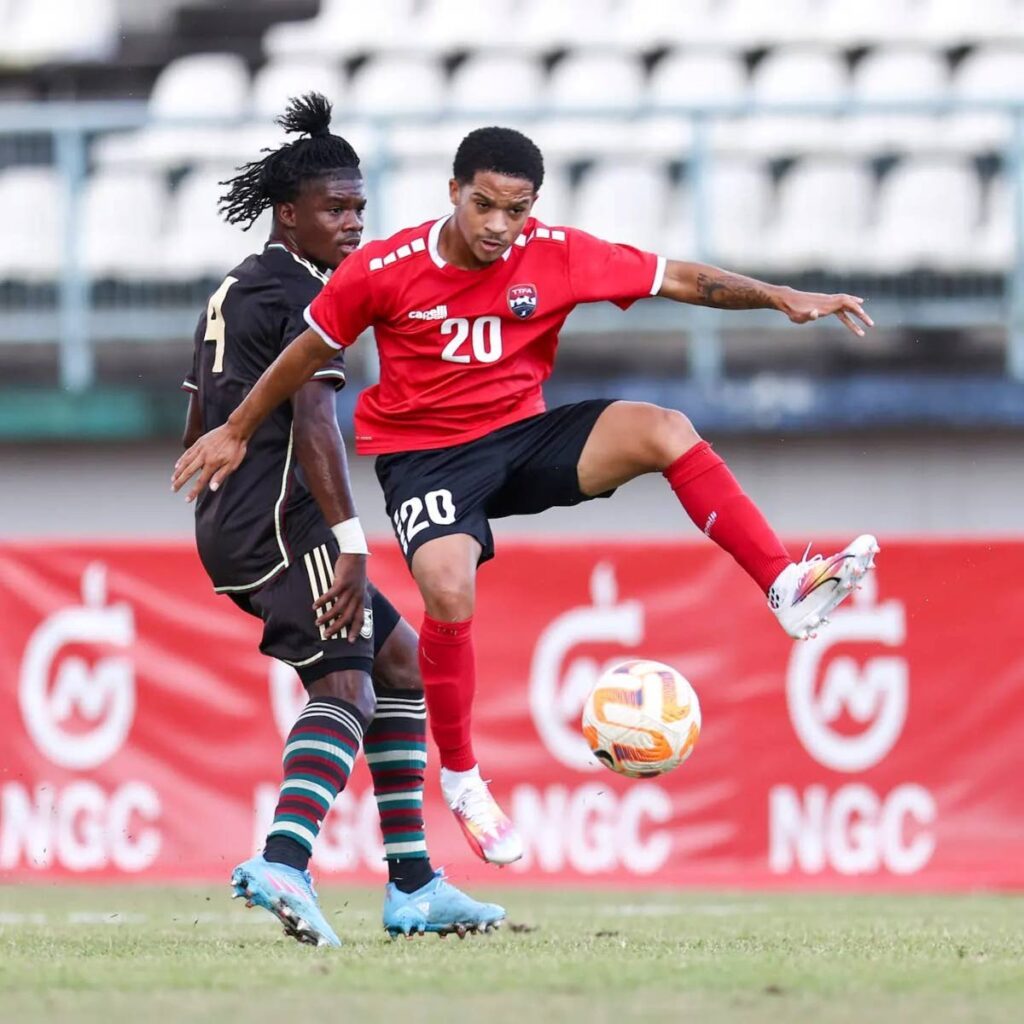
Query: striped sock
318, 757
396, 751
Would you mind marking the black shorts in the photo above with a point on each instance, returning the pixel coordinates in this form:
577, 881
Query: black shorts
519, 470
290, 632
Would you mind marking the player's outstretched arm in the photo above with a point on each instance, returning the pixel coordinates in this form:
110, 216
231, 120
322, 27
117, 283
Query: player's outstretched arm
320, 451
216, 455
702, 285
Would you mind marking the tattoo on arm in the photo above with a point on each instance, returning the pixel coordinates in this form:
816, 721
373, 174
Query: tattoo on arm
732, 291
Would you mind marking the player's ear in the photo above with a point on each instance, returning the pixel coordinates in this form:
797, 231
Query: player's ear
453, 191
286, 214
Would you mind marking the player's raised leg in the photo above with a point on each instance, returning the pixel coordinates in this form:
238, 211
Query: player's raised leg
418, 899
318, 757
634, 438
445, 571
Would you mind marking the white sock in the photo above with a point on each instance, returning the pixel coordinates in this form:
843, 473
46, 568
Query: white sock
452, 782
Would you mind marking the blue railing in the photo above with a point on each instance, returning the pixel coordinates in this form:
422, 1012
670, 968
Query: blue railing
76, 324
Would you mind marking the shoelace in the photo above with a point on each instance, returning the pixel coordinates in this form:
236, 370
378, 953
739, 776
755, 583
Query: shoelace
476, 803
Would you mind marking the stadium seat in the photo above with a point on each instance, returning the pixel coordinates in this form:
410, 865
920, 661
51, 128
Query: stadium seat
928, 216
555, 203
823, 214
677, 237
201, 87
436, 142
753, 24
279, 80
541, 26
624, 202
790, 75
596, 81
698, 77
642, 26
493, 82
33, 202
953, 23
457, 26
893, 74
739, 200
397, 85
869, 22
34, 33
198, 242
122, 221
346, 28
997, 241
987, 73
409, 194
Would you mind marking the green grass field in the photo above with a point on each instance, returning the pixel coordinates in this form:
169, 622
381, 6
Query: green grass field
162, 956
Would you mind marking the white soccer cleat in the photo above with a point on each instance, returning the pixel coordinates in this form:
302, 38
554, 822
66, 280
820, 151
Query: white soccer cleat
806, 592
487, 828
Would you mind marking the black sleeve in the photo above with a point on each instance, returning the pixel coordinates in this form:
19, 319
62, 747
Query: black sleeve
298, 293
191, 381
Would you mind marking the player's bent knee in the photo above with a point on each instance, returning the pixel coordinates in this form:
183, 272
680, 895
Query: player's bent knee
672, 434
396, 667
450, 601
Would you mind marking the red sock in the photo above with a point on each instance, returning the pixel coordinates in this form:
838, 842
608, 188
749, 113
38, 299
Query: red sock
448, 666
714, 500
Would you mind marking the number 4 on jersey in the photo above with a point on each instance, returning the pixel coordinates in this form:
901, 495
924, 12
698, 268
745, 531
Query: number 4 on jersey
215, 326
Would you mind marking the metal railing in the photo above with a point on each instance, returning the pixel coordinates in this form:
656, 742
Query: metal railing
72, 127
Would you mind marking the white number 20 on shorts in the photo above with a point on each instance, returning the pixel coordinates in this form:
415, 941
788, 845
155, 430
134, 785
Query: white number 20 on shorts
439, 507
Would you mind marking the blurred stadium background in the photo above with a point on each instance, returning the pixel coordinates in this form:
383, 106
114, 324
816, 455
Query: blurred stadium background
875, 147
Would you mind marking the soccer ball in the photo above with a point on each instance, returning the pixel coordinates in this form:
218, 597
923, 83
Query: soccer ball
642, 719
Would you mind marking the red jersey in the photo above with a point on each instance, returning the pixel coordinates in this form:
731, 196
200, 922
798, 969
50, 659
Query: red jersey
464, 352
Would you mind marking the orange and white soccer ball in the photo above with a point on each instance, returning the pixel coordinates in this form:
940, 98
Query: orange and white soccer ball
642, 719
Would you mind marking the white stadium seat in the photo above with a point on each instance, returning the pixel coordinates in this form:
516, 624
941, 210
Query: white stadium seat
596, 81
953, 23
754, 24
997, 239
410, 195
33, 202
493, 82
454, 26
397, 85
556, 200
624, 202
869, 22
640, 26
927, 217
790, 75
987, 73
198, 242
541, 26
823, 213
280, 80
892, 74
346, 28
739, 198
122, 222
34, 33
698, 77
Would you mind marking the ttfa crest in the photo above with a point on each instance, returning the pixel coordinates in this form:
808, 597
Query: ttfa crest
522, 300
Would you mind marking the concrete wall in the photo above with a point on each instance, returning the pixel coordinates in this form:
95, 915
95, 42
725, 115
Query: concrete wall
934, 483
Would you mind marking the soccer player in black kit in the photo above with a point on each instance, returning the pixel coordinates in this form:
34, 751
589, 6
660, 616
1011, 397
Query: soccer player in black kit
283, 534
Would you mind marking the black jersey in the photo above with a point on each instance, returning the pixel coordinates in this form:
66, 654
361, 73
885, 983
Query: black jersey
252, 527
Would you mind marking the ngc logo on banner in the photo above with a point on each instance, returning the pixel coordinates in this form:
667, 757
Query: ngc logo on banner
522, 300
588, 827
78, 712
855, 829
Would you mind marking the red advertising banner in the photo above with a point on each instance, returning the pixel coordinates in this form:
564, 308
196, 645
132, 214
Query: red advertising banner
142, 730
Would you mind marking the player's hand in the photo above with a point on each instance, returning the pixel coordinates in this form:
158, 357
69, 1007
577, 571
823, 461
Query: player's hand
215, 456
343, 606
802, 307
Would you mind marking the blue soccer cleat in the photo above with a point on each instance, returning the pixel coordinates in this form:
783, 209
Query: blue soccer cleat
288, 894
437, 907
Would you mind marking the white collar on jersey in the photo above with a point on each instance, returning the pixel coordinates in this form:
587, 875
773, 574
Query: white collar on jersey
434, 236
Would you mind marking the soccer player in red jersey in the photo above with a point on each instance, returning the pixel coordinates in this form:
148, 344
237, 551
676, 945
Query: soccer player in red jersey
466, 311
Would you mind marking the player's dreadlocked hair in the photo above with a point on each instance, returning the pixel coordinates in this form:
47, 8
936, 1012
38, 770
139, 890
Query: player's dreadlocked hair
278, 177
503, 150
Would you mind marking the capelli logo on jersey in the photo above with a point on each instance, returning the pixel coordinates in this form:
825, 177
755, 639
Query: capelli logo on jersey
522, 300
437, 313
